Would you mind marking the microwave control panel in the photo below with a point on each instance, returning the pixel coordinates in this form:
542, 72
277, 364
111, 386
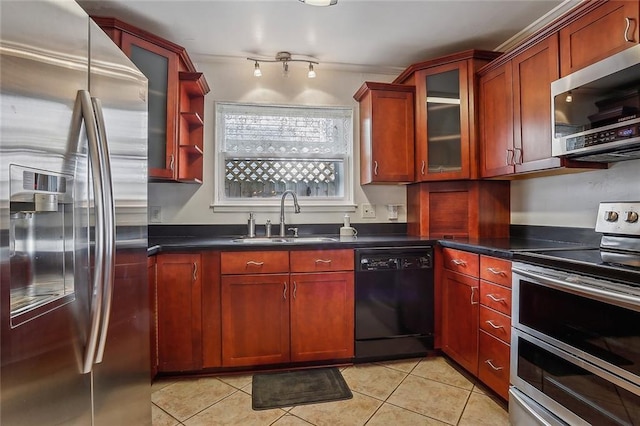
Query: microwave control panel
603, 136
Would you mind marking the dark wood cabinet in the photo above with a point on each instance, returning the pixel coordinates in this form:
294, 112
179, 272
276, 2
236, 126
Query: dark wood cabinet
459, 209
175, 99
445, 115
255, 319
322, 309
476, 315
179, 312
460, 319
515, 114
322, 305
211, 310
278, 317
386, 133
602, 32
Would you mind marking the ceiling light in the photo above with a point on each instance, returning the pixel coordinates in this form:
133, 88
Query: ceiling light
284, 58
256, 70
320, 2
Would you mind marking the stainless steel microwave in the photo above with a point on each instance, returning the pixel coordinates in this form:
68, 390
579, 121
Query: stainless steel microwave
595, 111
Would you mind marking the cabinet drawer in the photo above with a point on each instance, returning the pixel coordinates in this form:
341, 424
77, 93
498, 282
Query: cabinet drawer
461, 261
254, 262
495, 270
493, 364
495, 323
495, 297
321, 260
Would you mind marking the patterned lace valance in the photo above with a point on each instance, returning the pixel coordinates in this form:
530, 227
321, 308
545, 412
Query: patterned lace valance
280, 131
275, 171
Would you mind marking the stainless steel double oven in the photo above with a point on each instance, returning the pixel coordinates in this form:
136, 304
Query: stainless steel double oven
575, 350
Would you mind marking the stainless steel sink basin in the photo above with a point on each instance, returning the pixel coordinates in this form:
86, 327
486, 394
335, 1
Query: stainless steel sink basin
279, 240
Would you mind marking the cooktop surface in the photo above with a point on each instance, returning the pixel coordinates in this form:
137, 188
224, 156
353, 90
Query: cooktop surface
586, 261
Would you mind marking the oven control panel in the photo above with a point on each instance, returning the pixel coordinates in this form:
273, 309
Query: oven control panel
619, 218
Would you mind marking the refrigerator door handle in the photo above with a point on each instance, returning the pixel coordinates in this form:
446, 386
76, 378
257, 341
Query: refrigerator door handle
109, 228
83, 110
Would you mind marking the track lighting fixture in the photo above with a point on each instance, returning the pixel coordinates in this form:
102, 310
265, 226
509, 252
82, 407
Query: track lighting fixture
284, 58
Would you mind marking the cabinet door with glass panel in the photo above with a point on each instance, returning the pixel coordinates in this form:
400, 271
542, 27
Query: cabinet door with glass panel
442, 122
445, 114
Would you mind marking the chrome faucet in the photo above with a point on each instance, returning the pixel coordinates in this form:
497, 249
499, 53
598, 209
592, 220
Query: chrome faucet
296, 207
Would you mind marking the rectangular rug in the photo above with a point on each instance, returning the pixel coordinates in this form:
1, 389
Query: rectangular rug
289, 388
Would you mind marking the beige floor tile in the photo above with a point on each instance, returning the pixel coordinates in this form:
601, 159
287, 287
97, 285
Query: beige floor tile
373, 380
430, 398
290, 420
355, 411
405, 365
234, 410
161, 383
237, 381
482, 410
160, 418
479, 389
440, 370
391, 415
185, 398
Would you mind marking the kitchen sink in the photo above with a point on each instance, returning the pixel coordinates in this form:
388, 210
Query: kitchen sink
279, 240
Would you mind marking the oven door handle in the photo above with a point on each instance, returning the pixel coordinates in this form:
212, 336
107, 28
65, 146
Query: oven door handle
575, 287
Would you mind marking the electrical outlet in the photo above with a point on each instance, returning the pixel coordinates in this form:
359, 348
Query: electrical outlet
155, 214
368, 211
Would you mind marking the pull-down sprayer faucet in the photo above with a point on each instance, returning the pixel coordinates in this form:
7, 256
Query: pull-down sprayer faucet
296, 207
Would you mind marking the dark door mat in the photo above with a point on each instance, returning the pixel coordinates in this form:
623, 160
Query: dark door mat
289, 388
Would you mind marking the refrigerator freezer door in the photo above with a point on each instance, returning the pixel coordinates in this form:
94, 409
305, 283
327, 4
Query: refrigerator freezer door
43, 64
121, 378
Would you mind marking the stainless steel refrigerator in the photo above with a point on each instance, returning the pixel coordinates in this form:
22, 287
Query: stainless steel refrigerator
74, 311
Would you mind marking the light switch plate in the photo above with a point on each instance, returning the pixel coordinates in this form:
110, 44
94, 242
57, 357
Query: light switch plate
368, 211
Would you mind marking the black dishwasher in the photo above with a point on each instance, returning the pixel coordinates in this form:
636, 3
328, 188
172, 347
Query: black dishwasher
393, 302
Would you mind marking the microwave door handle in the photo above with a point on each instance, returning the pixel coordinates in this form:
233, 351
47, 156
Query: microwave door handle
109, 228
83, 110
599, 294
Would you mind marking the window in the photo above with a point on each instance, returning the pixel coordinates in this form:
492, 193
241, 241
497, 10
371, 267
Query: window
264, 150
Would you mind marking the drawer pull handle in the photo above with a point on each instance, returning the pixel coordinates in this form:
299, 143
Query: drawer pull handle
323, 260
459, 262
496, 299
473, 293
195, 271
626, 30
284, 292
493, 325
295, 289
254, 263
375, 168
496, 271
492, 366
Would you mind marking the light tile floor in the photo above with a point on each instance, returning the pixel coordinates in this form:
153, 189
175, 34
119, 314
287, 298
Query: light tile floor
425, 391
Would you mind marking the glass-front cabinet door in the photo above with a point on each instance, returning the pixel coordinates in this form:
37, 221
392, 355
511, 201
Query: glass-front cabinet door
160, 66
442, 123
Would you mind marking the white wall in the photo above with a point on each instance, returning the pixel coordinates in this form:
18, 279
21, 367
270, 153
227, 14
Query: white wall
572, 200
233, 80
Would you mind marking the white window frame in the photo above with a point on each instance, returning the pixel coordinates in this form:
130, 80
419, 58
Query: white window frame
221, 203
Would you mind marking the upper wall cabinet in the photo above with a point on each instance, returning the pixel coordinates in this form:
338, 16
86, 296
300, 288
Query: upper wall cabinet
176, 101
601, 32
445, 115
386, 132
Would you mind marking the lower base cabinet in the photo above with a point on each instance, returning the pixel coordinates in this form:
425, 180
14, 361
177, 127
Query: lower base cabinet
275, 318
179, 317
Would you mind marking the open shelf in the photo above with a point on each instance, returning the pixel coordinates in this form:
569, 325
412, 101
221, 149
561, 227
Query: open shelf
193, 118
